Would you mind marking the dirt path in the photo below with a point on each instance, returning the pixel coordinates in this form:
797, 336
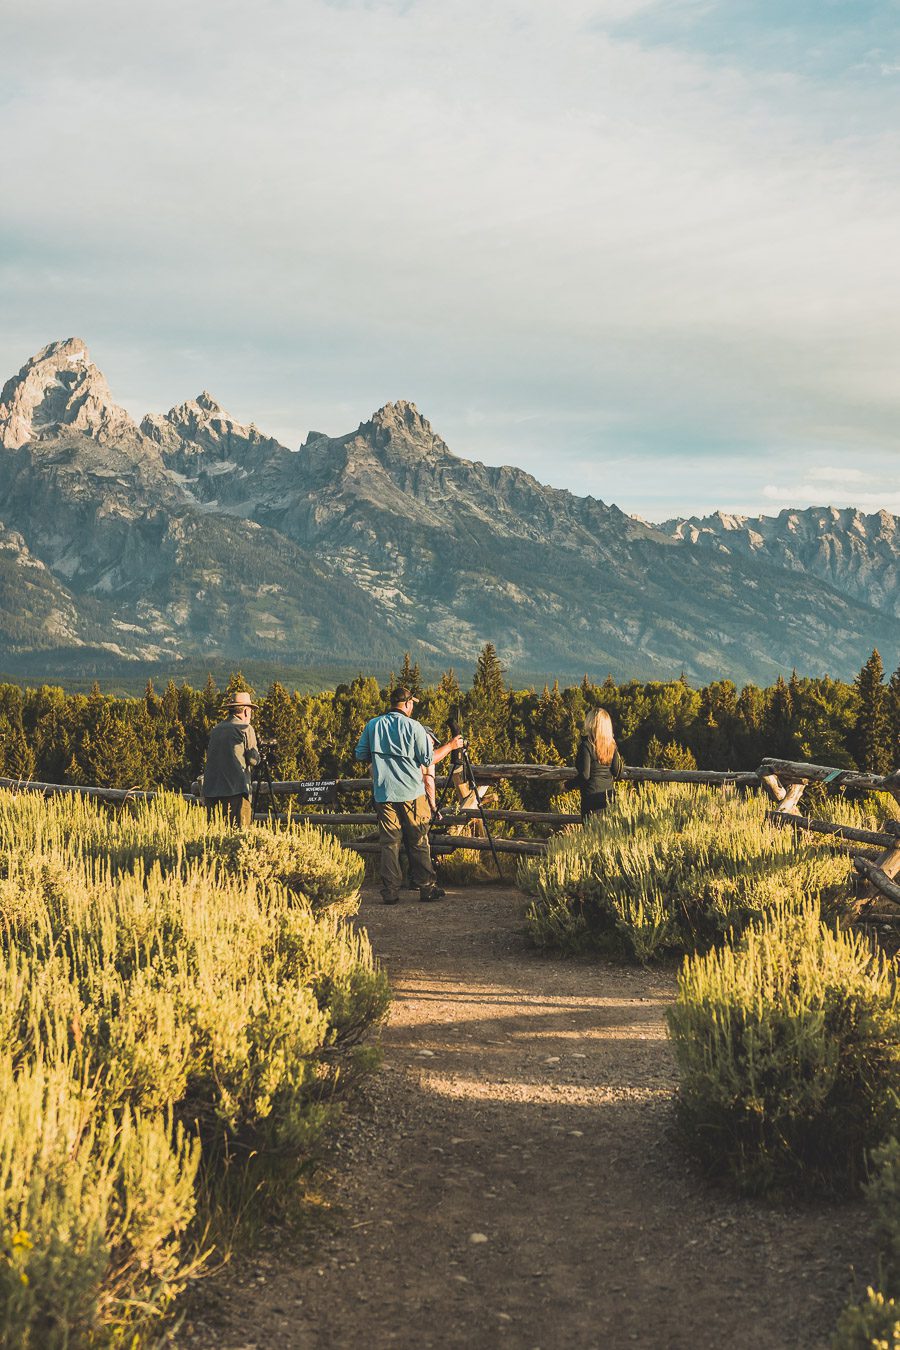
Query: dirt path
510, 1179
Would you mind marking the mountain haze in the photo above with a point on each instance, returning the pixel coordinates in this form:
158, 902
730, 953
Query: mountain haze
193, 536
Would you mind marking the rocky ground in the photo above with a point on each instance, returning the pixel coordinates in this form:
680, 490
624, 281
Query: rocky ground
510, 1177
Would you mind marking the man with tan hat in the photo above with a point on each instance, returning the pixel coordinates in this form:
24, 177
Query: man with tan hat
230, 758
399, 748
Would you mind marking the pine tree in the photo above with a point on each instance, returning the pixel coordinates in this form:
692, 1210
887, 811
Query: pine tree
780, 721
16, 755
871, 729
893, 705
53, 745
487, 709
171, 705
440, 704
410, 676
237, 684
211, 702
111, 755
555, 726
152, 702
278, 721
668, 756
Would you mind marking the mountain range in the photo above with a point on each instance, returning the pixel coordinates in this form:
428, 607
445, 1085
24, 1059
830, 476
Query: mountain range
191, 537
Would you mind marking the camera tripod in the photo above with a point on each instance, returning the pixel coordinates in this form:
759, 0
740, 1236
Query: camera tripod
262, 773
460, 761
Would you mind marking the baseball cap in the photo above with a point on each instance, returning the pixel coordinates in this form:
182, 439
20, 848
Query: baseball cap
400, 694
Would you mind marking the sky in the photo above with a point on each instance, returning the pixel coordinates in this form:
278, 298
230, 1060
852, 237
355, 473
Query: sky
647, 251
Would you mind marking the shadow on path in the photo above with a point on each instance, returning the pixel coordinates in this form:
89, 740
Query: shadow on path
510, 1178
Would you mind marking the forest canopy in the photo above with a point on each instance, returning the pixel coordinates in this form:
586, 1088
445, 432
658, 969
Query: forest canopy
100, 740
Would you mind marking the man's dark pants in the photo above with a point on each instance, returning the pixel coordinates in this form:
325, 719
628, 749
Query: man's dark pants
407, 822
237, 809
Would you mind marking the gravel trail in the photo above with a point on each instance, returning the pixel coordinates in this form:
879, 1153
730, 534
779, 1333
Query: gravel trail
510, 1178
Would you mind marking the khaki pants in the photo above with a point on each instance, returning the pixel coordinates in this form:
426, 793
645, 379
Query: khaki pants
406, 821
237, 809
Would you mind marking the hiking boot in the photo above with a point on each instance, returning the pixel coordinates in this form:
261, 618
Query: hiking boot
434, 892
391, 899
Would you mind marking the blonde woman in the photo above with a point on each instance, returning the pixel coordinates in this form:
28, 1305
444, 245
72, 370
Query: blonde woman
598, 764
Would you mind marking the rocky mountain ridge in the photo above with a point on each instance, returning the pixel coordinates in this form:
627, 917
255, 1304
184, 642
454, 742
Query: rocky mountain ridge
193, 535
855, 552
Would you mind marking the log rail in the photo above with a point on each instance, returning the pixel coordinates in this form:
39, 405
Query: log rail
784, 781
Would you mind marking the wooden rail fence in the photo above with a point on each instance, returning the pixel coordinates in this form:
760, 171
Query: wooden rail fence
784, 780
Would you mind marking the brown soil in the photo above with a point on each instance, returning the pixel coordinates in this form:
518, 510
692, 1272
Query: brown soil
510, 1177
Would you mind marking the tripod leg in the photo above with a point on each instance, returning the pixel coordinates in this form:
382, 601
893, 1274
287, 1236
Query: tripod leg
470, 779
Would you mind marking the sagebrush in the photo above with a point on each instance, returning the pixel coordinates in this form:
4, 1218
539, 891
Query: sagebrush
162, 1024
669, 869
788, 1052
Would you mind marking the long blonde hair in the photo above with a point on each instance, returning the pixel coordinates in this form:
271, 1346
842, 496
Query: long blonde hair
598, 728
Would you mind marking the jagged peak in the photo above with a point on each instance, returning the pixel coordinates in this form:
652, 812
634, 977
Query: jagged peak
398, 431
193, 410
400, 414
67, 350
60, 389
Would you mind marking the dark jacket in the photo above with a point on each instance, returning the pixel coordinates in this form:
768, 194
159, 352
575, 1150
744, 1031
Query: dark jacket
597, 781
229, 760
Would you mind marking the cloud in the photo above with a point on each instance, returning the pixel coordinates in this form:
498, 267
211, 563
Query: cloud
571, 215
809, 493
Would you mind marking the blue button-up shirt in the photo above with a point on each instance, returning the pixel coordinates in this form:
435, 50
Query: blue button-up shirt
399, 748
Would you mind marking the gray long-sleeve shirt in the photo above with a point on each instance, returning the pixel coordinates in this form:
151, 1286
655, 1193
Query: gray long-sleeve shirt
229, 760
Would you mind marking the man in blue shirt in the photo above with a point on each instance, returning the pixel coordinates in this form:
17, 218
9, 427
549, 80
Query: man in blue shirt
399, 748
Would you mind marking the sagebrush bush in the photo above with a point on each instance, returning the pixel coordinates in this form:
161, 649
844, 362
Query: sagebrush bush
168, 1024
215, 993
95, 1206
872, 1325
883, 1194
171, 833
307, 861
788, 1052
875, 1323
672, 869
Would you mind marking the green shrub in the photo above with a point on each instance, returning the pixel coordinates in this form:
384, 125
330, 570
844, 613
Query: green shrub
669, 869
214, 1014
883, 1194
172, 834
876, 1322
94, 1208
217, 994
307, 861
788, 1051
872, 1325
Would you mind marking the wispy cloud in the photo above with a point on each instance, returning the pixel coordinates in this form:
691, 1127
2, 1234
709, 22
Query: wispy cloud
631, 224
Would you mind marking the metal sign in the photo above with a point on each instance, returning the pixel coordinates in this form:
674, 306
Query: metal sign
318, 792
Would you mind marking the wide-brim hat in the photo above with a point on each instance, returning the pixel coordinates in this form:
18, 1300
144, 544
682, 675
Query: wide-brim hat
240, 700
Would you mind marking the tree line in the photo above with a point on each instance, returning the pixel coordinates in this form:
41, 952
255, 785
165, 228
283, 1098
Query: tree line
160, 739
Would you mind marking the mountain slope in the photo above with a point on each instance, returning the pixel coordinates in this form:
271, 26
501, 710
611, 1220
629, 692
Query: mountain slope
193, 535
857, 554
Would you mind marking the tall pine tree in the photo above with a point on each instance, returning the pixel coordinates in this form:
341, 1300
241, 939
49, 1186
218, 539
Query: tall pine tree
871, 729
893, 706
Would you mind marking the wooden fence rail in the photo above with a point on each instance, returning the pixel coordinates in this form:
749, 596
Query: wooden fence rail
848, 832
878, 878
784, 780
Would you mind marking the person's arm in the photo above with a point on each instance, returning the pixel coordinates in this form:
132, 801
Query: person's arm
443, 751
251, 748
363, 750
618, 764
582, 766
422, 748
428, 780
